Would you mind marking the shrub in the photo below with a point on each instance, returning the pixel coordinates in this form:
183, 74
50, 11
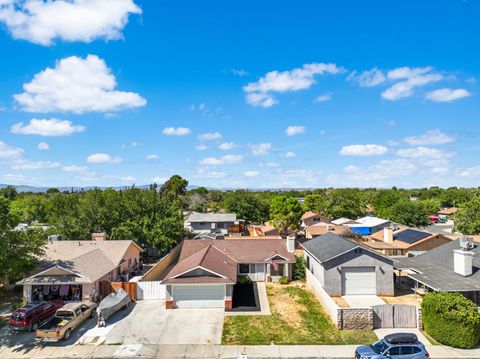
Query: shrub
283, 280
299, 268
243, 279
451, 319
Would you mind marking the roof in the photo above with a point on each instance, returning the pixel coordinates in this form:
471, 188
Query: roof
368, 221
342, 220
448, 211
403, 238
71, 306
277, 237
322, 228
330, 245
435, 269
265, 230
410, 236
88, 261
311, 214
211, 217
220, 257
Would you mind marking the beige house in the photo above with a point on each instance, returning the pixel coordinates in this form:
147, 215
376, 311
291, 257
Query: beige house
310, 218
73, 270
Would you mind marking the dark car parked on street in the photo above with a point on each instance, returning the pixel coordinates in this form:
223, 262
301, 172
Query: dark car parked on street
29, 317
394, 346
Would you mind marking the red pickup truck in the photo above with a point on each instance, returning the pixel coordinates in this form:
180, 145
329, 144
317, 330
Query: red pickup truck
32, 315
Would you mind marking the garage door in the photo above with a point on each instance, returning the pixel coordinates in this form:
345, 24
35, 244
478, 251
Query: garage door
359, 281
199, 296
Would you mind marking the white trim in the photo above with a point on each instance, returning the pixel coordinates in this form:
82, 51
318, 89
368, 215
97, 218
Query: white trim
55, 266
205, 269
349, 250
276, 254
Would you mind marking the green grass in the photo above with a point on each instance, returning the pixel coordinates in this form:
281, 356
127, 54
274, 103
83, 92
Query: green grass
315, 326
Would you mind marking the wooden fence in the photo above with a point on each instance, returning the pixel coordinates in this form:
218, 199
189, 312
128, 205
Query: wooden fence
106, 287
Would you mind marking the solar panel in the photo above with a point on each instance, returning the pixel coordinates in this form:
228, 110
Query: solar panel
411, 236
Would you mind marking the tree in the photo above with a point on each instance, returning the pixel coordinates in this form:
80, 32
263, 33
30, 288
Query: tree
29, 208
53, 190
285, 213
467, 218
9, 192
344, 203
315, 203
175, 186
299, 269
246, 205
408, 213
384, 199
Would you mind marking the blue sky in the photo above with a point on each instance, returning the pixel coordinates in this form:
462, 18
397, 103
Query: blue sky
252, 94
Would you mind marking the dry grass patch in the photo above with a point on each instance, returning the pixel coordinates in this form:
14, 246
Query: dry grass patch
284, 304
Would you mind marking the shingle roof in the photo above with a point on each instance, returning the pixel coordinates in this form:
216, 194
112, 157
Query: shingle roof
211, 217
328, 246
435, 268
322, 228
448, 211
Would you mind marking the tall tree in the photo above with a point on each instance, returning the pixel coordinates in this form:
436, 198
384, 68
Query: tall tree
246, 205
408, 213
285, 213
467, 218
345, 202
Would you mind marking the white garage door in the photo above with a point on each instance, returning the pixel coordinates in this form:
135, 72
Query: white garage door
199, 296
359, 281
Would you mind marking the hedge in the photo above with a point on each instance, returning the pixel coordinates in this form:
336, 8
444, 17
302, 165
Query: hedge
451, 319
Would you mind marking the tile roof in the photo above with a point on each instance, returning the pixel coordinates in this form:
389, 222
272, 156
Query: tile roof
322, 228
448, 211
211, 217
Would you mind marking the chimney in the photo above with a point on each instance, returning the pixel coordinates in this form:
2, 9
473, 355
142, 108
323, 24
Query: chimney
463, 258
290, 242
99, 236
388, 234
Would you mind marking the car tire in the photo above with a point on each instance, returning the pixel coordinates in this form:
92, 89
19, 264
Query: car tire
92, 314
67, 334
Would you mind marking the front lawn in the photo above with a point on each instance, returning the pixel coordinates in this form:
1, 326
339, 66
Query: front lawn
297, 318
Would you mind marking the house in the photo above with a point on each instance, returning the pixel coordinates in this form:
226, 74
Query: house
447, 213
223, 223
205, 272
404, 241
310, 218
344, 267
452, 267
341, 221
322, 228
73, 270
262, 230
368, 225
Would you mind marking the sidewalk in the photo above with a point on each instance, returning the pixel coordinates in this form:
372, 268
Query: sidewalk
210, 351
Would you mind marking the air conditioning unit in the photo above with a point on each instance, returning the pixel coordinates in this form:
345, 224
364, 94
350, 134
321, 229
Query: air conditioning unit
55, 237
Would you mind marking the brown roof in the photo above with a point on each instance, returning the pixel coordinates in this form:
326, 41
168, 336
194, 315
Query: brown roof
378, 236
319, 229
448, 211
222, 256
229, 238
310, 214
397, 244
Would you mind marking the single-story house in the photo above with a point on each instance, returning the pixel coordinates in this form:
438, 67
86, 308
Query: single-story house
73, 270
404, 241
368, 225
342, 221
447, 213
205, 273
345, 267
310, 218
262, 230
452, 267
322, 228
223, 223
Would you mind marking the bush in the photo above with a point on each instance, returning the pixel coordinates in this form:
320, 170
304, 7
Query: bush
243, 279
283, 280
299, 268
451, 319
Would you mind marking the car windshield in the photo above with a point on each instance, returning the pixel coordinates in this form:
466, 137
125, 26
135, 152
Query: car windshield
67, 314
18, 316
379, 347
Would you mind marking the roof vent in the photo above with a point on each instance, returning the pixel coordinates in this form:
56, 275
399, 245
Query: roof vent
466, 243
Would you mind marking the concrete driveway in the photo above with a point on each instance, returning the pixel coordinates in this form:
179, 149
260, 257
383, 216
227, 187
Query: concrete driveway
362, 301
149, 322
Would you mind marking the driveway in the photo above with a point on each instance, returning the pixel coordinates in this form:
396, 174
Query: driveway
362, 301
149, 322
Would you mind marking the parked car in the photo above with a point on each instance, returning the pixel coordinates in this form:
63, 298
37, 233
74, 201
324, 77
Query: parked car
433, 219
394, 346
33, 314
66, 319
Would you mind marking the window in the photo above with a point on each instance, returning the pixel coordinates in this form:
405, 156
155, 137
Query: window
416, 350
406, 350
129, 262
243, 268
308, 263
394, 351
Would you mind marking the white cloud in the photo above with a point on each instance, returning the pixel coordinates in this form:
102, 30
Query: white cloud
411, 78
390, 123
176, 131
270, 164
295, 130
159, 180
220, 161
32, 165
261, 149
251, 173
101, 158
290, 154
432, 137
43, 146
77, 169
368, 78
363, 150
323, 98
152, 157
473, 171
260, 93
203, 173
15, 158
239, 72
209, 136
201, 147
42, 22
76, 85
422, 152
227, 146
10, 153
447, 95
44, 127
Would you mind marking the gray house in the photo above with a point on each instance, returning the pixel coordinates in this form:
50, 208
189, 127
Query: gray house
344, 267
220, 223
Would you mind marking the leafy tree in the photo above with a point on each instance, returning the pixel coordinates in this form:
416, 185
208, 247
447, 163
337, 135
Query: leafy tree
53, 190
384, 199
344, 203
315, 203
175, 186
285, 213
467, 218
9, 192
299, 269
408, 213
455, 197
246, 205
29, 208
